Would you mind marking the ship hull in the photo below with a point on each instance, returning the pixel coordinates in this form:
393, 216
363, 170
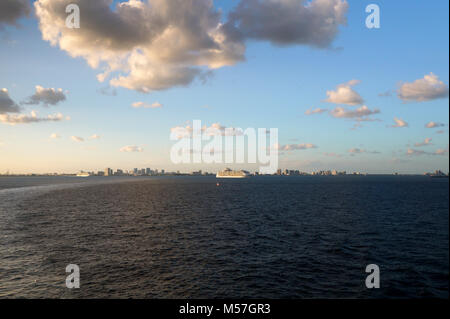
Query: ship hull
221, 176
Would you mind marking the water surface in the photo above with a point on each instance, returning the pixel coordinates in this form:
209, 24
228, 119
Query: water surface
186, 237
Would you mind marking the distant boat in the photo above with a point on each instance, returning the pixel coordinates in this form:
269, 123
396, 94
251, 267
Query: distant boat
83, 174
228, 173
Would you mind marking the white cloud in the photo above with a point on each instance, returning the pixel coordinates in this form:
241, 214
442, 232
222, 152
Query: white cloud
360, 114
147, 46
48, 96
77, 139
426, 142
344, 94
55, 136
147, 105
434, 124
160, 44
12, 10
32, 118
399, 123
7, 105
131, 149
426, 89
315, 111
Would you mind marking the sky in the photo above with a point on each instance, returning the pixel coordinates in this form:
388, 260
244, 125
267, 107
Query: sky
108, 94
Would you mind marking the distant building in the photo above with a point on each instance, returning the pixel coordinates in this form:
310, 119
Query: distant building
108, 172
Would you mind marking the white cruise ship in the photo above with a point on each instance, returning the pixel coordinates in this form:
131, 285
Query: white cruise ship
228, 173
83, 174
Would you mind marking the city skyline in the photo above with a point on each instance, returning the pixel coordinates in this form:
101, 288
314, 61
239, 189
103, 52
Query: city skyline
347, 98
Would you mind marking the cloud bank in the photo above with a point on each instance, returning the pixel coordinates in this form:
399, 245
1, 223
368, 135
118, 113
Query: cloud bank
159, 44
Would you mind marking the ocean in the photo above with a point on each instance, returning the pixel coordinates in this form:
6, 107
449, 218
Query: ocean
188, 237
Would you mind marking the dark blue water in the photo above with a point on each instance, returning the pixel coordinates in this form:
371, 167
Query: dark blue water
266, 237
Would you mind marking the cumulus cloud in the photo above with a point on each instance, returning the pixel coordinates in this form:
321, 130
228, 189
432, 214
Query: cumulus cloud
48, 96
32, 118
131, 149
344, 94
55, 136
286, 22
159, 44
426, 142
12, 10
77, 139
147, 105
360, 114
315, 111
426, 89
147, 45
7, 105
399, 123
434, 124
294, 147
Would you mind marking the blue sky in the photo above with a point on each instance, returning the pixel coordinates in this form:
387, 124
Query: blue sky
273, 87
